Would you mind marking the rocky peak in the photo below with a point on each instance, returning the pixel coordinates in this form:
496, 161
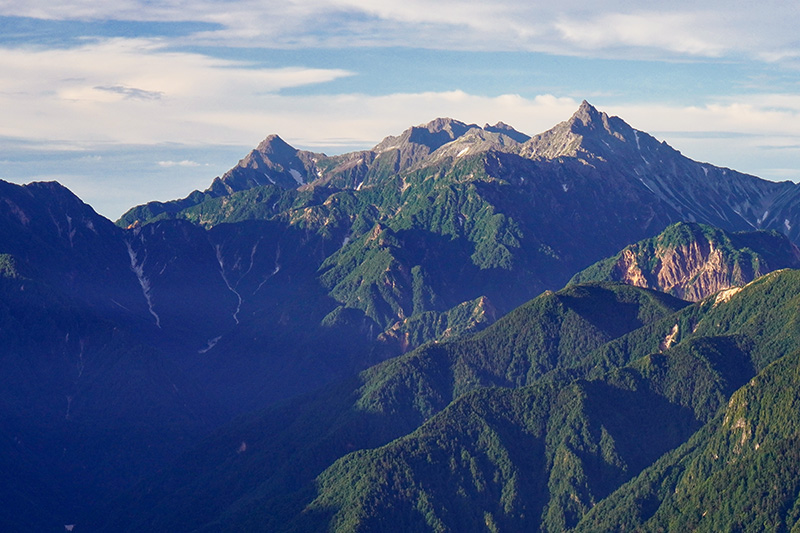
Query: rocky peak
454, 127
274, 146
507, 130
588, 116
692, 261
476, 141
432, 135
589, 133
273, 162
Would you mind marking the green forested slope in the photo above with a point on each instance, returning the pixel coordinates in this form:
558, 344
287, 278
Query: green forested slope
562, 415
274, 472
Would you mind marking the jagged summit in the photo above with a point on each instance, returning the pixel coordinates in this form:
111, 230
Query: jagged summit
588, 132
432, 135
479, 140
624, 159
587, 114
505, 129
274, 145
447, 124
273, 161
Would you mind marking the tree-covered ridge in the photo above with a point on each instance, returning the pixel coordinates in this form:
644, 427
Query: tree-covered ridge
459, 471
738, 474
693, 261
549, 419
392, 400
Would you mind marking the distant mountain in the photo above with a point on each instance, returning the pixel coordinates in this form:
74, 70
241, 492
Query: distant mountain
509, 213
294, 271
692, 261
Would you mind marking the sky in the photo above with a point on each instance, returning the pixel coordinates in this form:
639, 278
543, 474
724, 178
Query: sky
127, 101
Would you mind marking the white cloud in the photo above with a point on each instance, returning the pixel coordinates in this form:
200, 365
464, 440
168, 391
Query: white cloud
613, 28
135, 91
691, 33
130, 91
753, 115
184, 163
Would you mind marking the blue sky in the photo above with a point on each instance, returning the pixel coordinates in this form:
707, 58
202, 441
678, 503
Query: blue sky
127, 101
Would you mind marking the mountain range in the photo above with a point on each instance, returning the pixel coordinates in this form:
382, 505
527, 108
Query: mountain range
371, 341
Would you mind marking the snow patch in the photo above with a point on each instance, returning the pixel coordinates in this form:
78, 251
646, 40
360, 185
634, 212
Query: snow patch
144, 283
274, 271
70, 231
252, 259
462, 152
358, 187
297, 176
639, 147
565, 187
211, 343
80, 364
787, 225
218, 248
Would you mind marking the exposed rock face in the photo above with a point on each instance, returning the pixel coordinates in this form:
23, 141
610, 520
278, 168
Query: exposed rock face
273, 162
690, 272
468, 317
693, 261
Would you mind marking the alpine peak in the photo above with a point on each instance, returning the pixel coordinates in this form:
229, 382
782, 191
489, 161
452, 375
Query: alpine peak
273, 144
587, 115
446, 124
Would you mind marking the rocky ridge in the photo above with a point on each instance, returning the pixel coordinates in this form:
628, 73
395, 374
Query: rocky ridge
693, 261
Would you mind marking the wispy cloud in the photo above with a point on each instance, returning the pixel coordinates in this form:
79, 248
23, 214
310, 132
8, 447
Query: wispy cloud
85, 93
184, 163
690, 33
132, 92
135, 82
606, 27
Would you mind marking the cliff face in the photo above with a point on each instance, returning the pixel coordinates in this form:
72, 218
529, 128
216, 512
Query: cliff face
692, 261
690, 272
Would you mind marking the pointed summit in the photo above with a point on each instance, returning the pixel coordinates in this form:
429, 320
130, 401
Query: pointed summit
273, 162
587, 114
450, 125
588, 132
274, 145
